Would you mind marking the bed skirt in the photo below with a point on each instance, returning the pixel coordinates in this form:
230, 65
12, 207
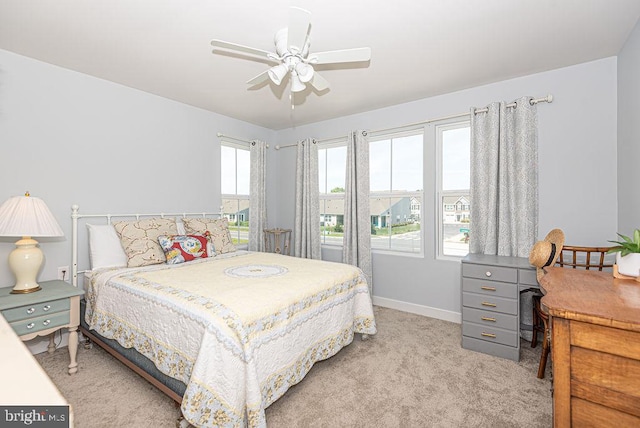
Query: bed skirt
145, 365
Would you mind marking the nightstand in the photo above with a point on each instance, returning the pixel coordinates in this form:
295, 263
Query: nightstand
44, 312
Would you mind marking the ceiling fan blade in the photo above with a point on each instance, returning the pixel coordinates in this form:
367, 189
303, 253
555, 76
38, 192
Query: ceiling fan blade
221, 44
262, 77
299, 23
319, 82
344, 55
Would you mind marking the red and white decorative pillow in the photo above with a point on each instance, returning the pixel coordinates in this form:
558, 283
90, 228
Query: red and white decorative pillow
184, 248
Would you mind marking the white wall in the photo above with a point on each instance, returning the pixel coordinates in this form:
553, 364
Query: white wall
629, 134
70, 138
577, 167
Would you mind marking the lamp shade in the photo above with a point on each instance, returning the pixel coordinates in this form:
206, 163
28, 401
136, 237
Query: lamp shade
27, 216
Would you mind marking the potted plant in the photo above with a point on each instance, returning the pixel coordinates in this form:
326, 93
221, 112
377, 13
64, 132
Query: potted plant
628, 254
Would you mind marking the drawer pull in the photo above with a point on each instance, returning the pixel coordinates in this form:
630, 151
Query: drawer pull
488, 319
493, 305
46, 322
46, 308
30, 325
488, 273
484, 287
31, 310
488, 335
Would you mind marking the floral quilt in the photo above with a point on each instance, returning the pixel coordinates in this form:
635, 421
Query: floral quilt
238, 329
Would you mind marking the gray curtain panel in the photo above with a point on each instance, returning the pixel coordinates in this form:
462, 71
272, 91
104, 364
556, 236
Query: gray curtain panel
504, 179
307, 219
356, 248
258, 200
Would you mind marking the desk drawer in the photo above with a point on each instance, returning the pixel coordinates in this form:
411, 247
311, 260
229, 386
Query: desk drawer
39, 309
490, 303
44, 322
490, 319
528, 277
490, 288
493, 335
494, 273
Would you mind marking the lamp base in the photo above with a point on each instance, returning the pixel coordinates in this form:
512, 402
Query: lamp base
25, 261
28, 290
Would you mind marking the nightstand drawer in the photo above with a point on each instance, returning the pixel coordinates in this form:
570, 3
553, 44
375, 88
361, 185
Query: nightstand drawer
494, 273
38, 309
44, 322
490, 288
489, 303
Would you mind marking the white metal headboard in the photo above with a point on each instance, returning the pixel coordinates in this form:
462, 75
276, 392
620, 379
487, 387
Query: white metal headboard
75, 216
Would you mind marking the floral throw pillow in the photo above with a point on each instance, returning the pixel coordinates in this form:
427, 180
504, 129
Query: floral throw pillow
218, 228
184, 248
139, 239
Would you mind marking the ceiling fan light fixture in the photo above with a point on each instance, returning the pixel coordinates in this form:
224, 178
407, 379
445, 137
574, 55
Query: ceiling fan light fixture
304, 71
277, 73
296, 84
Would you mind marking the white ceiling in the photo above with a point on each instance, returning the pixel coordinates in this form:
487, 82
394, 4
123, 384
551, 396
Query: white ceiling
419, 48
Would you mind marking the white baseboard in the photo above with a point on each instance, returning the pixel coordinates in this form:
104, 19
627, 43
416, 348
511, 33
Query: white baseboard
412, 308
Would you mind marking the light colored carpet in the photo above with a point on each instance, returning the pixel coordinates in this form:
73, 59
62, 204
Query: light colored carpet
413, 373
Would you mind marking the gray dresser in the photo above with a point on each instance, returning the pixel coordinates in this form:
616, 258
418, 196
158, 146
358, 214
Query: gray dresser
491, 303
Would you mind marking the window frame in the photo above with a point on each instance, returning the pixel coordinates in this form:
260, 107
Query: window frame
438, 129
236, 197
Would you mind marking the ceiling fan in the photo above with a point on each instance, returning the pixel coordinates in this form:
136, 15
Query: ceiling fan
292, 55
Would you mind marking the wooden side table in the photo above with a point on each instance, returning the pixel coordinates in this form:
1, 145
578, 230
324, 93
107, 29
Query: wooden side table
44, 312
277, 241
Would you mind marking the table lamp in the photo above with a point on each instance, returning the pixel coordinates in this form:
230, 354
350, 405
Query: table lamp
27, 217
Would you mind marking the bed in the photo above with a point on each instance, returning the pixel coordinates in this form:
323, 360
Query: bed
226, 334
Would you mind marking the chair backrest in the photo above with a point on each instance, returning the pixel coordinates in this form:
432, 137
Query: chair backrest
585, 257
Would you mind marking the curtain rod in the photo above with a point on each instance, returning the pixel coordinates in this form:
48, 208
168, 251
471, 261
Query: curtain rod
547, 99
242, 140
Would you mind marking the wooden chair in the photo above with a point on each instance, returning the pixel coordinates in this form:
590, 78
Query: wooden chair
570, 257
277, 240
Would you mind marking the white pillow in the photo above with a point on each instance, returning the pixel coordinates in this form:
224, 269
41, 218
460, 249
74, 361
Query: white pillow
105, 249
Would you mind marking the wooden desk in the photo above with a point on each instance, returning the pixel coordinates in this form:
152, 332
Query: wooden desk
595, 324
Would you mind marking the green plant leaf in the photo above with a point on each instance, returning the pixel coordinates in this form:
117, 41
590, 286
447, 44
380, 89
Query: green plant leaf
626, 245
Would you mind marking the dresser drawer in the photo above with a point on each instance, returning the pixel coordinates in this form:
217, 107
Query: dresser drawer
33, 325
494, 273
490, 319
32, 311
490, 303
490, 288
493, 335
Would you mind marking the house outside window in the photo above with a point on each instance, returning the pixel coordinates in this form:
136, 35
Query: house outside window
234, 183
453, 151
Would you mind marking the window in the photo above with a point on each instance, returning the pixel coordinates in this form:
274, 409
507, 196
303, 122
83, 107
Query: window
453, 142
332, 166
396, 191
234, 183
